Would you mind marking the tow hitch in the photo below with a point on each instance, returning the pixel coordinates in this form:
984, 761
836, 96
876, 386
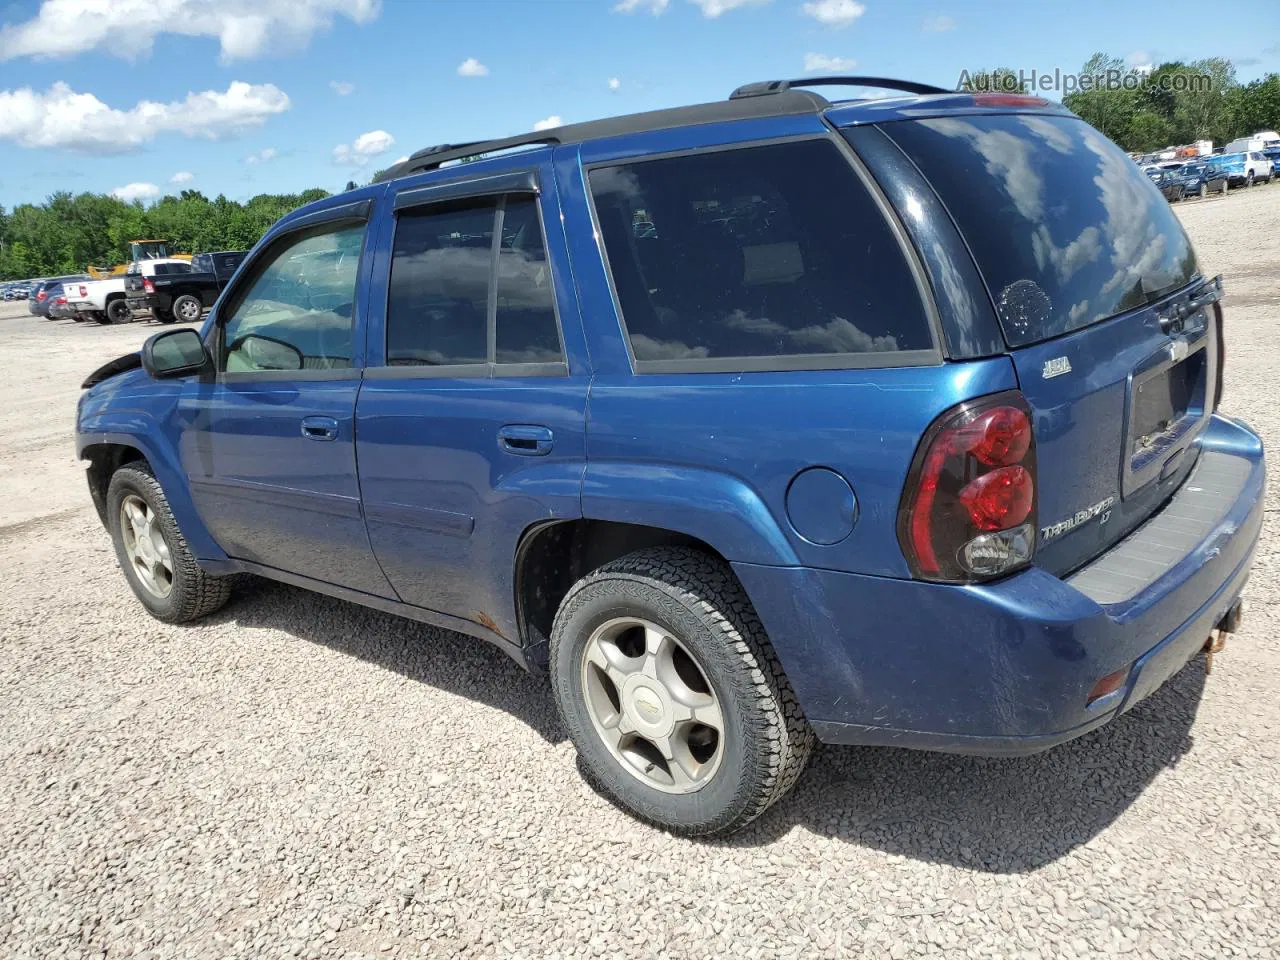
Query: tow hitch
1230, 623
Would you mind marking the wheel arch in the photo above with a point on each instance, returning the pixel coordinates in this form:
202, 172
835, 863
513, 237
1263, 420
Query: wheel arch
552, 556
106, 451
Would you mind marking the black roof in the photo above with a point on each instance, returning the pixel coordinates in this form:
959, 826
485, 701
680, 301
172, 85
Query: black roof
769, 98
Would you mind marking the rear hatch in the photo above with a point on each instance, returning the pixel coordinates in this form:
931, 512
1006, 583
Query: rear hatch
1091, 275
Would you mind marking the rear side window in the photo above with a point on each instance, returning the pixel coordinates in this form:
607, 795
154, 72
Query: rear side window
449, 306
758, 257
1066, 229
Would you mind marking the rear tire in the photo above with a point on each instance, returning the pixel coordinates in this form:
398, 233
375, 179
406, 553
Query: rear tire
716, 779
1248, 180
153, 553
118, 311
186, 308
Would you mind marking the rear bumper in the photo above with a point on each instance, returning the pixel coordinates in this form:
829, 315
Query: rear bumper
1004, 668
150, 302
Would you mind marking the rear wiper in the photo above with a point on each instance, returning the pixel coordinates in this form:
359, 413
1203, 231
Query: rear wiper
1174, 319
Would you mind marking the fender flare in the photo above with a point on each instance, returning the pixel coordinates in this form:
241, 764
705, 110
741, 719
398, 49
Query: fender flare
168, 473
716, 508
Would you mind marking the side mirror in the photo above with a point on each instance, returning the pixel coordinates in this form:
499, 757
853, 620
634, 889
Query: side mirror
175, 353
266, 353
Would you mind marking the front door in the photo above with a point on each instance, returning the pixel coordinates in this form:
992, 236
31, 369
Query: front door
470, 427
272, 457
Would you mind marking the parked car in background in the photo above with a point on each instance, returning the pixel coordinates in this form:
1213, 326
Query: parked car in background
1244, 169
182, 295
1168, 180
105, 300
1199, 179
38, 304
658, 465
59, 309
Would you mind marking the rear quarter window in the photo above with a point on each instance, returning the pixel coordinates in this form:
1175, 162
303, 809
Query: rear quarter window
1065, 228
755, 258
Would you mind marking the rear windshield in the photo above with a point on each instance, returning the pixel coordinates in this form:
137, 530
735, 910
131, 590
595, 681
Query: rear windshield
1066, 229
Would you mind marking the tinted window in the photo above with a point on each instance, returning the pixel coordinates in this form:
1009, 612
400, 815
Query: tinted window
296, 310
441, 274
1065, 229
774, 251
526, 325
438, 307
201, 264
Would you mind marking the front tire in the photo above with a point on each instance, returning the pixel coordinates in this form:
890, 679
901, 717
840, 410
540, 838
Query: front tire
153, 553
672, 694
186, 308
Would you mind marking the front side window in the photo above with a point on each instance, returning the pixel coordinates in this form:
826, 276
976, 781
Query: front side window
448, 306
775, 253
296, 312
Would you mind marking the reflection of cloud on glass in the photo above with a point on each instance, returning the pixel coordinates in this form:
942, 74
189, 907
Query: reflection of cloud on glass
1067, 260
647, 348
1078, 310
836, 336
1006, 157
1054, 136
619, 182
460, 273
532, 354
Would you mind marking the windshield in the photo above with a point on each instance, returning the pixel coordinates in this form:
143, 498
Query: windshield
1066, 230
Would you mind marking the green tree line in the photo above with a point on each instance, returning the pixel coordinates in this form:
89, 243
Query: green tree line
1172, 104
68, 232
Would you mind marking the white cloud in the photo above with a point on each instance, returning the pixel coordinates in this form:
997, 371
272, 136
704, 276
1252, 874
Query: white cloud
363, 148
834, 13
60, 117
714, 8
342, 87
655, 7
265, 155
821, 63
1140, 60
136, 191
129, 28
549, 123
939, 23
614, 84
182, 177
471, 67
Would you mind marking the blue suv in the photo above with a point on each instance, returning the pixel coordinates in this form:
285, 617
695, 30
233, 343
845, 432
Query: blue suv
751, 423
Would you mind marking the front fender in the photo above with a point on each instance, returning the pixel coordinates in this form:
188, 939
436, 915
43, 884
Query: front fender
716, 508
144, 433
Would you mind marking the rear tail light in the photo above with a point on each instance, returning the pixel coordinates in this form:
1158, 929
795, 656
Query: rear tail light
42, 295
148, 286
61, 301
969, 508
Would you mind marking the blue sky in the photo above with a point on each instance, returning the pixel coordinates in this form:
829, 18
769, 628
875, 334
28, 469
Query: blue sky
102, 94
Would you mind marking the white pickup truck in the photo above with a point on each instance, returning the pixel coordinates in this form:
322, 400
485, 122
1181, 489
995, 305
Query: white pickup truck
104, 300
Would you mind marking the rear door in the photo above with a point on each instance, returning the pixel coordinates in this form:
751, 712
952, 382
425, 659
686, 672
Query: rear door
1088, 268
471, 422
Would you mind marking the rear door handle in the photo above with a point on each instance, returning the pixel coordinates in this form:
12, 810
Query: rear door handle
320, 428
526, 440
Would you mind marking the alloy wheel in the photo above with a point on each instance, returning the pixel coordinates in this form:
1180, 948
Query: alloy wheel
652, 705
145, 547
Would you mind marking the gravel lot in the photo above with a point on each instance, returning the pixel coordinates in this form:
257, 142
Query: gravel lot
299, 776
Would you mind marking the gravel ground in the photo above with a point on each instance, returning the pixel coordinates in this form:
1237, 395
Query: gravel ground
297, 776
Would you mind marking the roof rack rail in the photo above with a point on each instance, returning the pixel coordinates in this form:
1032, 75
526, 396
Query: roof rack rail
431, 158
765, 88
